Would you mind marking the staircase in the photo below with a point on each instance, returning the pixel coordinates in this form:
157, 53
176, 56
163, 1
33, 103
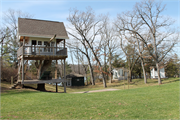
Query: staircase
15, 85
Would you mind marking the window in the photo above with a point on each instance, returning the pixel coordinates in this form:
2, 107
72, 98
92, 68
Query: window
46, 49
33, 49
52, 45
39, 47
33, 42
39, 42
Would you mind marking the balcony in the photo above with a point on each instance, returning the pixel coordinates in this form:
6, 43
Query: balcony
41, 52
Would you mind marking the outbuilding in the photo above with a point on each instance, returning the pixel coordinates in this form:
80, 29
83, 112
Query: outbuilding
154, 73
75, 80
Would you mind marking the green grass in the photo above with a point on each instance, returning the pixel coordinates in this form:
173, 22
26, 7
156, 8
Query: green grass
146, 102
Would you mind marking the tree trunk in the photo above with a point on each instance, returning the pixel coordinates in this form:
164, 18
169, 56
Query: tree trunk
91, 73
104, 80
144, 72
110, 78
130, 75
42, 66
158, 72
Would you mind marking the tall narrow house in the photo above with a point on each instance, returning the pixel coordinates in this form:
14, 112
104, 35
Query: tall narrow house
42, 41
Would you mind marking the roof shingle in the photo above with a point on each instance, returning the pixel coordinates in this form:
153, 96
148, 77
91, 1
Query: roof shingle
41, 28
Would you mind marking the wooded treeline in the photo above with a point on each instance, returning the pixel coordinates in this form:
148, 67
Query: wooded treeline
136, 40
139, 38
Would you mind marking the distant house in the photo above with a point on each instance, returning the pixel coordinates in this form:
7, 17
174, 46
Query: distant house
120, 73
75, 80
154, 73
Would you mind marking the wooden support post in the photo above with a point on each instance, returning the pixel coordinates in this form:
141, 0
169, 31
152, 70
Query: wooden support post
64, 43
19, 70
22, 70
56, 76
64, 75
25, 67
56, 47
53, 50
56, 69
23, 60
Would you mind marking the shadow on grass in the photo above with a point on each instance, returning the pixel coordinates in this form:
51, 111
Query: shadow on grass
15, 92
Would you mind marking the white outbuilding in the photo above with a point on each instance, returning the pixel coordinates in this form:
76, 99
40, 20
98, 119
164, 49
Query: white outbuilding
154, 73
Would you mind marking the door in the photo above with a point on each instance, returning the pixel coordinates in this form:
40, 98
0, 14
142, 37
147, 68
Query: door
33, 48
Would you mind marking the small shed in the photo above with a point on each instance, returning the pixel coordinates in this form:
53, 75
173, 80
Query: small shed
154, 73
120, 73
75, 80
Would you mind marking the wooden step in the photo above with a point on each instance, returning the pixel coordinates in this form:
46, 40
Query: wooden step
15, 85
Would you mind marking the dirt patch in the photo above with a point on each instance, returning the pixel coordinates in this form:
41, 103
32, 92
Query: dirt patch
4, 89
103, 90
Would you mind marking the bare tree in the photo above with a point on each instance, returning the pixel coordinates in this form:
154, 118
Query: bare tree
128, 46
131, 20
108, 41
10, 23
86, 27
154, 30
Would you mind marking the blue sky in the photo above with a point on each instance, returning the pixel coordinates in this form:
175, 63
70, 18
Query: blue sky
58, 10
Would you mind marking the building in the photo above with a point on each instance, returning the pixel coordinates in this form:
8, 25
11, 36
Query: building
75, 80
40, 40
120, 73
154, 73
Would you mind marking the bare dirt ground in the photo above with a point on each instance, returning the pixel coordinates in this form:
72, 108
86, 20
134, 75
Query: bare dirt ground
4, 89
103, 90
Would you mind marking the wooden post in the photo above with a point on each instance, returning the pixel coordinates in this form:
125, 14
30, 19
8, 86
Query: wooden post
56, 47
25, 71
56, 76
53, 51
11, 80
22, 70
19, 69
64, 43
64, 75
23, 60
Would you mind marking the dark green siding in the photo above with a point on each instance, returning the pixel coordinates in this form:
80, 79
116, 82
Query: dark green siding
77, 81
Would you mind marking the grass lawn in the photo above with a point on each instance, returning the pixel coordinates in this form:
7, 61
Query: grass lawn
146, 102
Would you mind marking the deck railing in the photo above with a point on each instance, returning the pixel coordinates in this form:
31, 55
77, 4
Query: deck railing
41, 50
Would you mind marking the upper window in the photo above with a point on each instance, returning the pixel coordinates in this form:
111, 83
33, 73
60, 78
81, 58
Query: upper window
39, 42
33, 42
46, 43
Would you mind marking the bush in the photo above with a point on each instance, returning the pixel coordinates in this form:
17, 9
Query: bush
7, 72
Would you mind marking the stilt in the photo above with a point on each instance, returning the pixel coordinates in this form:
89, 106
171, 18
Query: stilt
23, 61
56, 76
64, 75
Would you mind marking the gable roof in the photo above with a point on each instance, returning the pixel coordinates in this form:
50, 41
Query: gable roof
41, 28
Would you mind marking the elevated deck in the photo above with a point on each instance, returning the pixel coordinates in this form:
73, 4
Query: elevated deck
41, 53
41, 81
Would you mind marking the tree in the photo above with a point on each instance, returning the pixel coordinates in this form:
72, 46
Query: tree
118, 62
10, 22
85, 29
172, 66
108, 45
152, 29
